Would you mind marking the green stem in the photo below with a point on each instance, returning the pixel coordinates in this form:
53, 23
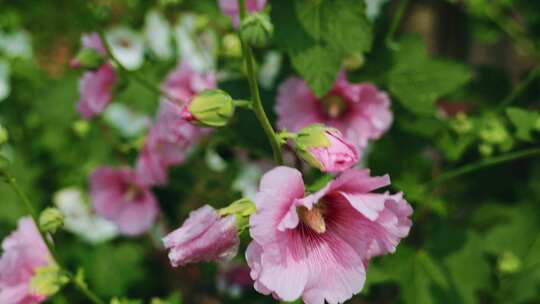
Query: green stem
28, 205
394, 23
247, 104
487, 162
533, 74
258, 108
141, 80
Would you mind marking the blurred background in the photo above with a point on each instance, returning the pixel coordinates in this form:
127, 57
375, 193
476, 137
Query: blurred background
475, 237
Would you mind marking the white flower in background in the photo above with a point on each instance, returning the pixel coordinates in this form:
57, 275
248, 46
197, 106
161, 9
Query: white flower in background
198, 49
247, 181
127, 122
157, 33
127, 46
5, 87
270, 69
16, 44
373, 8
214, 161
79, 220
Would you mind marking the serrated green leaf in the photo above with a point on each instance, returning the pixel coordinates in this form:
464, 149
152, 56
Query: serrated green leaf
319, 34
524, 121
418, 81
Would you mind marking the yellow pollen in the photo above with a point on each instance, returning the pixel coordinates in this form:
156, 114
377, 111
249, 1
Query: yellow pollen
334, 105
313, 218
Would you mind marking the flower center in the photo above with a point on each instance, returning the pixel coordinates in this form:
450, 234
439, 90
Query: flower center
333, 105
132, 192
313, 218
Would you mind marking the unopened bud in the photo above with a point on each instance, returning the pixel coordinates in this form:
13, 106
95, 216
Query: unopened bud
325, 148
256, 29
47, 280
51, 219
212, 108
87, 58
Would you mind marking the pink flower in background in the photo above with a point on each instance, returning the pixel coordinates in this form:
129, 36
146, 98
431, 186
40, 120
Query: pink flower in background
120, 196
24, 251
184, 82
95, 88
360, 111
204, 236
317, 247
230, 8
339, 156
92, 41
167, 144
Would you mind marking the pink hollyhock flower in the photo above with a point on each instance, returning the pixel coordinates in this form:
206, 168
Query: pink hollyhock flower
360, 111
95, 88
317, 247
230, 8
204, 236
184, 82
325, 148
167, 144
339, 156
24, 252
92, 41
121, 197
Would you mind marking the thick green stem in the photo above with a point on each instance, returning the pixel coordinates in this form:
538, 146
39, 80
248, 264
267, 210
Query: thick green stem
487, 162
35, 217
141, 80
258, 108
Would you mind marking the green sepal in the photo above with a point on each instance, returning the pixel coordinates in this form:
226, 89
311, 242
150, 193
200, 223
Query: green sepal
48, 280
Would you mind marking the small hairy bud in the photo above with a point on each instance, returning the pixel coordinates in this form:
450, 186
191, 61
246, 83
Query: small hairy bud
211, 108
51, 219
256, 29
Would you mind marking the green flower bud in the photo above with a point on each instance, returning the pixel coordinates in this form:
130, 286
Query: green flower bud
212, 108
256, 29
232, 46
353, 61
48, 280
4, 135
51, 219
485, 149
81, 127
87, 58
508, 262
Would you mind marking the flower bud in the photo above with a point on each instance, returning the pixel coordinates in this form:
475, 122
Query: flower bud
87, 58
325, 148
256, 29
212, 108
51, 219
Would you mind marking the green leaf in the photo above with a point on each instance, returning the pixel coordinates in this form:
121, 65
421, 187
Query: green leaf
524, 121
418, 81
469, 270
319, 34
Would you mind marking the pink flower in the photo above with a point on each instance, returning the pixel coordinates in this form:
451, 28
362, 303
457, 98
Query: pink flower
204, 236
184, 82
95, 88
325, 148
121, 197
230, 8
167, 144
339, 156
92, 41
360, 111
318, 246
24, 251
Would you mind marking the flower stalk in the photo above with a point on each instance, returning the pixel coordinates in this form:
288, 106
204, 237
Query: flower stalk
32, 211
257, 106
